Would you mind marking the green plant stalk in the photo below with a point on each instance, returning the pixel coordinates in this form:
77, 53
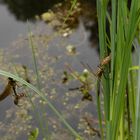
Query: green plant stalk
99, 109
70, 11
122, 122
118, 107
119, 38
132, 97
113, 34
41, 120
101, 13
128, 112
122, 35
137, 118
132, 92
103, 41
7, 74
34, 58
38, 117
125, 42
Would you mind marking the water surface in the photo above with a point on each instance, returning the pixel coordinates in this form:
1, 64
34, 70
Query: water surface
14, 41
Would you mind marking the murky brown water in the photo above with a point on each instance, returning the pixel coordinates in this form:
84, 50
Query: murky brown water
52, 55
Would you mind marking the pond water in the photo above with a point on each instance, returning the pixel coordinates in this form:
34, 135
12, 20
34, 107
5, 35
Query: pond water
52, 57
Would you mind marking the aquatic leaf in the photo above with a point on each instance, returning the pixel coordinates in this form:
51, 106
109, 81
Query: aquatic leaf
48, 16
71, 49
34, 134
66, 77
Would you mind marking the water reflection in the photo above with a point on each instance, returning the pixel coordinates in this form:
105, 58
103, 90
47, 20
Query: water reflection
27, 9
23, 10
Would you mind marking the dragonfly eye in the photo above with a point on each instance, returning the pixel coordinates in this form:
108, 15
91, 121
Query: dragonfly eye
11, 80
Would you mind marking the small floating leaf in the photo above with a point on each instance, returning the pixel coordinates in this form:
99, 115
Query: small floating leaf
48, 16
71, 49
66, 77
34, 134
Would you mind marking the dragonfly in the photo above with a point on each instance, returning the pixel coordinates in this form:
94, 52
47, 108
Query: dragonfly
85, 87
9, 89
100, 70
102, 65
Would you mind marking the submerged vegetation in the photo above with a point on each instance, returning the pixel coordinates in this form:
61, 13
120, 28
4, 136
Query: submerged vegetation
55, 95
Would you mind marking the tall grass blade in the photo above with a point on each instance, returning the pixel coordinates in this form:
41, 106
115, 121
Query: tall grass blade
137, 119
34, 57
41, 120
